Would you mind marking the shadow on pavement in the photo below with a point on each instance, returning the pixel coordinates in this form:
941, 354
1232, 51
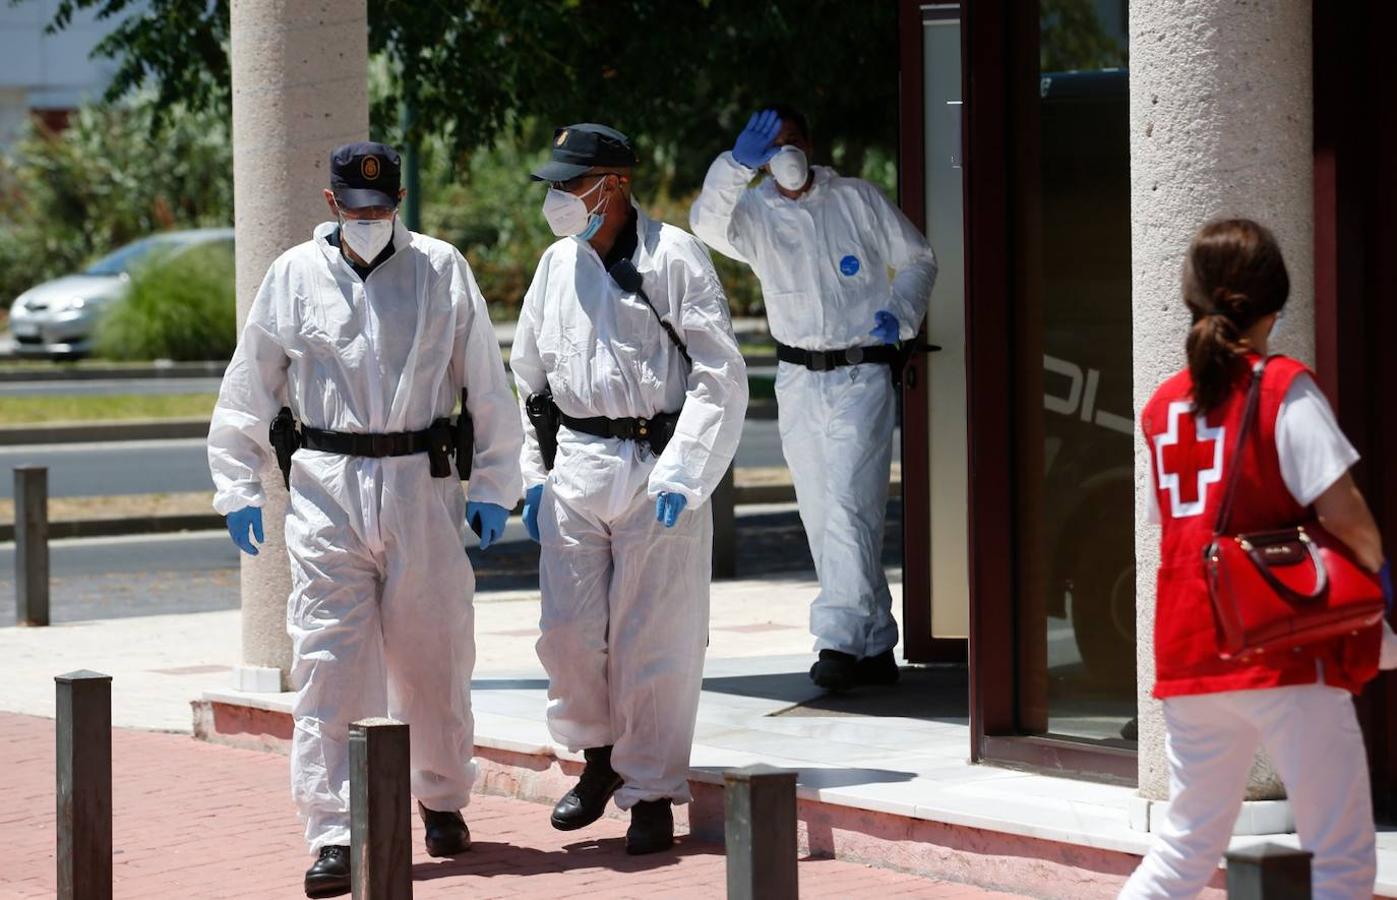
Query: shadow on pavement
767, 544
819, 777
488, 858
939, 693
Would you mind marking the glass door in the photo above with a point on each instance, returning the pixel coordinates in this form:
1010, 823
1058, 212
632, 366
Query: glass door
1071, 358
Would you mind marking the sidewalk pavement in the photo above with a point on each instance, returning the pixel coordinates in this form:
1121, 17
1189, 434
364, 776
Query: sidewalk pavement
161, 663
202, 820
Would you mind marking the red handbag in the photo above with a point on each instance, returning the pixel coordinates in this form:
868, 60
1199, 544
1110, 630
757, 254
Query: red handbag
1280, 591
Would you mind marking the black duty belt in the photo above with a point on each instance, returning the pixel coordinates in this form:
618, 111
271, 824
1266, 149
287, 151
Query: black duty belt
825, 360
656, 430
402, 443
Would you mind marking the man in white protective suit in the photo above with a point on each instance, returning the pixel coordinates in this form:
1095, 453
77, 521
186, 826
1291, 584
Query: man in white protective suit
822, 246
366, 335
634, 392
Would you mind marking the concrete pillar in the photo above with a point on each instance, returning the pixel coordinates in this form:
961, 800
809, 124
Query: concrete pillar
1220, 124
300, 88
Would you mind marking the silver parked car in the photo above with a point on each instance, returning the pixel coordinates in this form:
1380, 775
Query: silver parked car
59, 317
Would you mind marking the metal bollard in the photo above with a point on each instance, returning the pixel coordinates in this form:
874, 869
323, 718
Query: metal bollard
380, 820
1268, 872
31, 545
84, 739
760, 832
724, 502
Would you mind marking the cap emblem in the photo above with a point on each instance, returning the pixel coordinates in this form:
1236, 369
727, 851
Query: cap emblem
562, 136
369, 168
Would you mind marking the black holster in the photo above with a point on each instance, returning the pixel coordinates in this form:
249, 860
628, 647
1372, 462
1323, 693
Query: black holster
465, 442
544, 416
285, 439
440, 447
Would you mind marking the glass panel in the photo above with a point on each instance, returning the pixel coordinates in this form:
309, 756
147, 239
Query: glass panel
1073, 367
948, 472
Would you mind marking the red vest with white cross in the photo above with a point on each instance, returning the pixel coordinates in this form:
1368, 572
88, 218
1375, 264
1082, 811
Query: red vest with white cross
1191, 458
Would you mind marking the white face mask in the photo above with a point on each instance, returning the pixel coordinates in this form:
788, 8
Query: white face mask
790, 168
367, 237
568, 216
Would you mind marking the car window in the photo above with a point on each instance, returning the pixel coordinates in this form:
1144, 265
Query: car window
126, 258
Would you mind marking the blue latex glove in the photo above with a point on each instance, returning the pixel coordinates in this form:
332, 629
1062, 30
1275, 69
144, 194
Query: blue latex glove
668, 507
885, 326
238, 522
532, 499
754, 145
1385, 576
486, 520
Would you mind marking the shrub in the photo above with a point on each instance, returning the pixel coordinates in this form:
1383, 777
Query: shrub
106, 180
180, 307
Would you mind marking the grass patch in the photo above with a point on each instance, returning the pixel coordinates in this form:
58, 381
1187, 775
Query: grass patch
93, 408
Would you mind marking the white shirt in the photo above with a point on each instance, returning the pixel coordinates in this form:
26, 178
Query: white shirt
1313, 450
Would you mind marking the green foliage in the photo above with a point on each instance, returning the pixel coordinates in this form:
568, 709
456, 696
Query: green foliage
486, 82
180, 307
680, 76
1073, 39
104, 182
179, 47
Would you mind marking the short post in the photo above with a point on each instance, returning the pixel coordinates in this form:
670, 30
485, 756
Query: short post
1268, 872
760, 829
724, 502
84, 739
31, 545
380, 820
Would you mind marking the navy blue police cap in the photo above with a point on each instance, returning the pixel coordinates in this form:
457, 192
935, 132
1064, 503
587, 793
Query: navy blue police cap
578, 148
365, 174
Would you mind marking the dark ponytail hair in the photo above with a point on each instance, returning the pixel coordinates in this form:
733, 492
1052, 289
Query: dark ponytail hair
1233, 276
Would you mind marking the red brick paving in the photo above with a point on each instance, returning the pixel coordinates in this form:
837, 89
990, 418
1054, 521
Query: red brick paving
196, 820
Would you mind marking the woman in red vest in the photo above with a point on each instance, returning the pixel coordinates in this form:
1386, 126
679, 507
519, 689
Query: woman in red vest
1217, 711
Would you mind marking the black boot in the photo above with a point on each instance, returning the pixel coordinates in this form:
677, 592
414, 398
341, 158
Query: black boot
447, 834
880, 669
835, 671
329, 876
586, 802
652, 827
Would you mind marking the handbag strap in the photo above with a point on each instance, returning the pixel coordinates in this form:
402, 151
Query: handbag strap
1248, 421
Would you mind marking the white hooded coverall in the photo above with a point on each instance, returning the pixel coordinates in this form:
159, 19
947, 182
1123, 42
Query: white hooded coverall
625, 599
823, 262
380, 611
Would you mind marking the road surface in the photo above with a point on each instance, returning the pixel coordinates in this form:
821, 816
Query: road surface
153, 467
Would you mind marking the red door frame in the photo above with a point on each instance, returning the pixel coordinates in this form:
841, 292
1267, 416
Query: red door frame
999, 47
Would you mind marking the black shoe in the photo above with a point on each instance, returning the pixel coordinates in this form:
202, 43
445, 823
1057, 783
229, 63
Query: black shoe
586, 802
329, 876
880, 669
835, 671
447, 834
652, 827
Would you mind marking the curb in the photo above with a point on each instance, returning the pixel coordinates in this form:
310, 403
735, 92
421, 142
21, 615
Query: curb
922, 844
103, 432
752, 495
106, 373
88, 528
175, 429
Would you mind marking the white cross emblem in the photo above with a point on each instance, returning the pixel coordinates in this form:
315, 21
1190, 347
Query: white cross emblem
1185, 464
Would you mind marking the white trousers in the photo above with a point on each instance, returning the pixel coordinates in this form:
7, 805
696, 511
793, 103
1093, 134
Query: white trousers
624, 624
1311, 734
381, 623
837, 437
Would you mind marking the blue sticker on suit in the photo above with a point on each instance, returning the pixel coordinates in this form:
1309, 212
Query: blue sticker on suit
849, 265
